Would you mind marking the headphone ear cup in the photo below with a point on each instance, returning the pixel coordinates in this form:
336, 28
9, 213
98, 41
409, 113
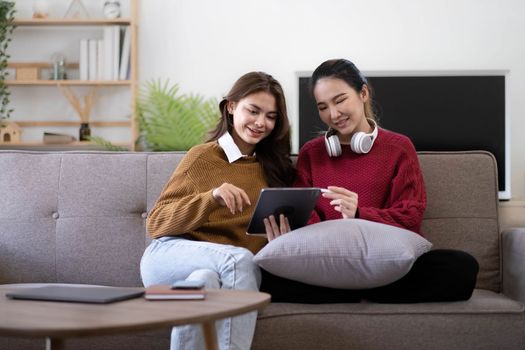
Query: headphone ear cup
333, 146
361, 143
336, 146
355, 142
366, 144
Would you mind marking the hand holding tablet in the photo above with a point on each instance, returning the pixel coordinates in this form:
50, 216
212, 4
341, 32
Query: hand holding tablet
295, 203
275, 229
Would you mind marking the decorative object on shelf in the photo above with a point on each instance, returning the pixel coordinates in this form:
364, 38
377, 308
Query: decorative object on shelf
83, 111
40, 9
27, 73
171, 121
112, 9
58, 67
7, 15
9, 132
85, 132
54, 138
76, 10
33, 70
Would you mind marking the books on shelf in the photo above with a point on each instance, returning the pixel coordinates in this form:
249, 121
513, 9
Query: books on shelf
54, 138
165, 292
100, 58
107, 62
116, 50
92, 70
107, 58
125, 54
84, 60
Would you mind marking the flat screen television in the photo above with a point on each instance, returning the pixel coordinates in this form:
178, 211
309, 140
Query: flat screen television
439, 111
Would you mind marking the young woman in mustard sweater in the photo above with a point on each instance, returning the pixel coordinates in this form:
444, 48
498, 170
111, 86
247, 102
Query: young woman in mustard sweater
199, 221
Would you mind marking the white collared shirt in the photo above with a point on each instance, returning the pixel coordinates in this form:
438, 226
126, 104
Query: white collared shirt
229, 147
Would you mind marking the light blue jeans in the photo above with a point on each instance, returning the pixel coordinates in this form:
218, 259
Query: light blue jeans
169, 259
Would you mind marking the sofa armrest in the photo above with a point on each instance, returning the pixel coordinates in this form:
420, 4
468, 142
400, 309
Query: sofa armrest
513, 261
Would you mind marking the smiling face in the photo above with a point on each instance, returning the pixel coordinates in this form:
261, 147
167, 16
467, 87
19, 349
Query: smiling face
254, 119
341, 107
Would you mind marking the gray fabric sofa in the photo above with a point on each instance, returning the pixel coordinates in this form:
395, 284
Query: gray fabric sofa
79, 217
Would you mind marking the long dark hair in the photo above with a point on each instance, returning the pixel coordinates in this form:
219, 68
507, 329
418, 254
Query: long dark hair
348, 72
273, 152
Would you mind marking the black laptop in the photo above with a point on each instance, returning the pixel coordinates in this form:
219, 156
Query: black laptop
77, 294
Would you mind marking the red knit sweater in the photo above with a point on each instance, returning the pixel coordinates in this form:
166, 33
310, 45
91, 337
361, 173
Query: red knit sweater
388, 180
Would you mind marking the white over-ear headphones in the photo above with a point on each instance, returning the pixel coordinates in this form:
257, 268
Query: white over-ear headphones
360, 143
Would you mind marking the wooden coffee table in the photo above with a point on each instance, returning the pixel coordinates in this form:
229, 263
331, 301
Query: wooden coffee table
57, 321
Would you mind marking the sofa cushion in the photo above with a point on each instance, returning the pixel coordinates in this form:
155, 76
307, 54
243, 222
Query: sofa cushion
462, 212
487, 321
345, 253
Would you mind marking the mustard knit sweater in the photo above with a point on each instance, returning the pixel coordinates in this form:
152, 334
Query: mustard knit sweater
186, 204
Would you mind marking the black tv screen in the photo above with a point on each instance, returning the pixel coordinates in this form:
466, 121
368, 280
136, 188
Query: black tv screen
437, 112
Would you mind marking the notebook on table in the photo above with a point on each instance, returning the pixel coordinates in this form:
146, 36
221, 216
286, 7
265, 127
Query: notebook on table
77, 294
166, 292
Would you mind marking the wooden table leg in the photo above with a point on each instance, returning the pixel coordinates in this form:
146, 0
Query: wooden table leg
54, 344
210, 335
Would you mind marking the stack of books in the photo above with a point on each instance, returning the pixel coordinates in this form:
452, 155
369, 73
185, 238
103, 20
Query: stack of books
107, 58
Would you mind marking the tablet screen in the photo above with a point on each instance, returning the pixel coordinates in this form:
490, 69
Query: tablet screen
296, 203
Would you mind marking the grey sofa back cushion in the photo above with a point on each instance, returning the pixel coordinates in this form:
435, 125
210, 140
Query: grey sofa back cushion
462, 208
79, 217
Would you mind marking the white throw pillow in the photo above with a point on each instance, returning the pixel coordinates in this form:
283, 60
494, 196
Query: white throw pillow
345, 253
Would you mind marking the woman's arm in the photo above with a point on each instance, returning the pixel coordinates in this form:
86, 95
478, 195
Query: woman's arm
406, 202
188, 198
180, 208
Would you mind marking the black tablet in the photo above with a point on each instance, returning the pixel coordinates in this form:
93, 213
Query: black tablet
296, 203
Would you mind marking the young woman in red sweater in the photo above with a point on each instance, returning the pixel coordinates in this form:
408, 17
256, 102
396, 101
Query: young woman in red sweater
372, 174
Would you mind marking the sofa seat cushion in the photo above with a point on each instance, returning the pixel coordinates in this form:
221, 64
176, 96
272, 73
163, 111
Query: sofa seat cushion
482, 302
487, 321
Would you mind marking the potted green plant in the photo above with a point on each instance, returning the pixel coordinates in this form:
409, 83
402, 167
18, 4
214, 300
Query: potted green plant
171, 121
7, 14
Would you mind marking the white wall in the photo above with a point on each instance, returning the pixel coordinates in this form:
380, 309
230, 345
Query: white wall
205, 45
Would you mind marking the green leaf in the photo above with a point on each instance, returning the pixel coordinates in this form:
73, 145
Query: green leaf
170, 121
106, 144
7, 11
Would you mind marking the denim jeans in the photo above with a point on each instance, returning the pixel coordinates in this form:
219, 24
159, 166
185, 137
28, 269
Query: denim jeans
168, 259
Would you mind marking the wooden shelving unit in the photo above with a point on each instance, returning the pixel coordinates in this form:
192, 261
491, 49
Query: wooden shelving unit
72, 22
66, 85
26, 124
38, 146
68, 82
